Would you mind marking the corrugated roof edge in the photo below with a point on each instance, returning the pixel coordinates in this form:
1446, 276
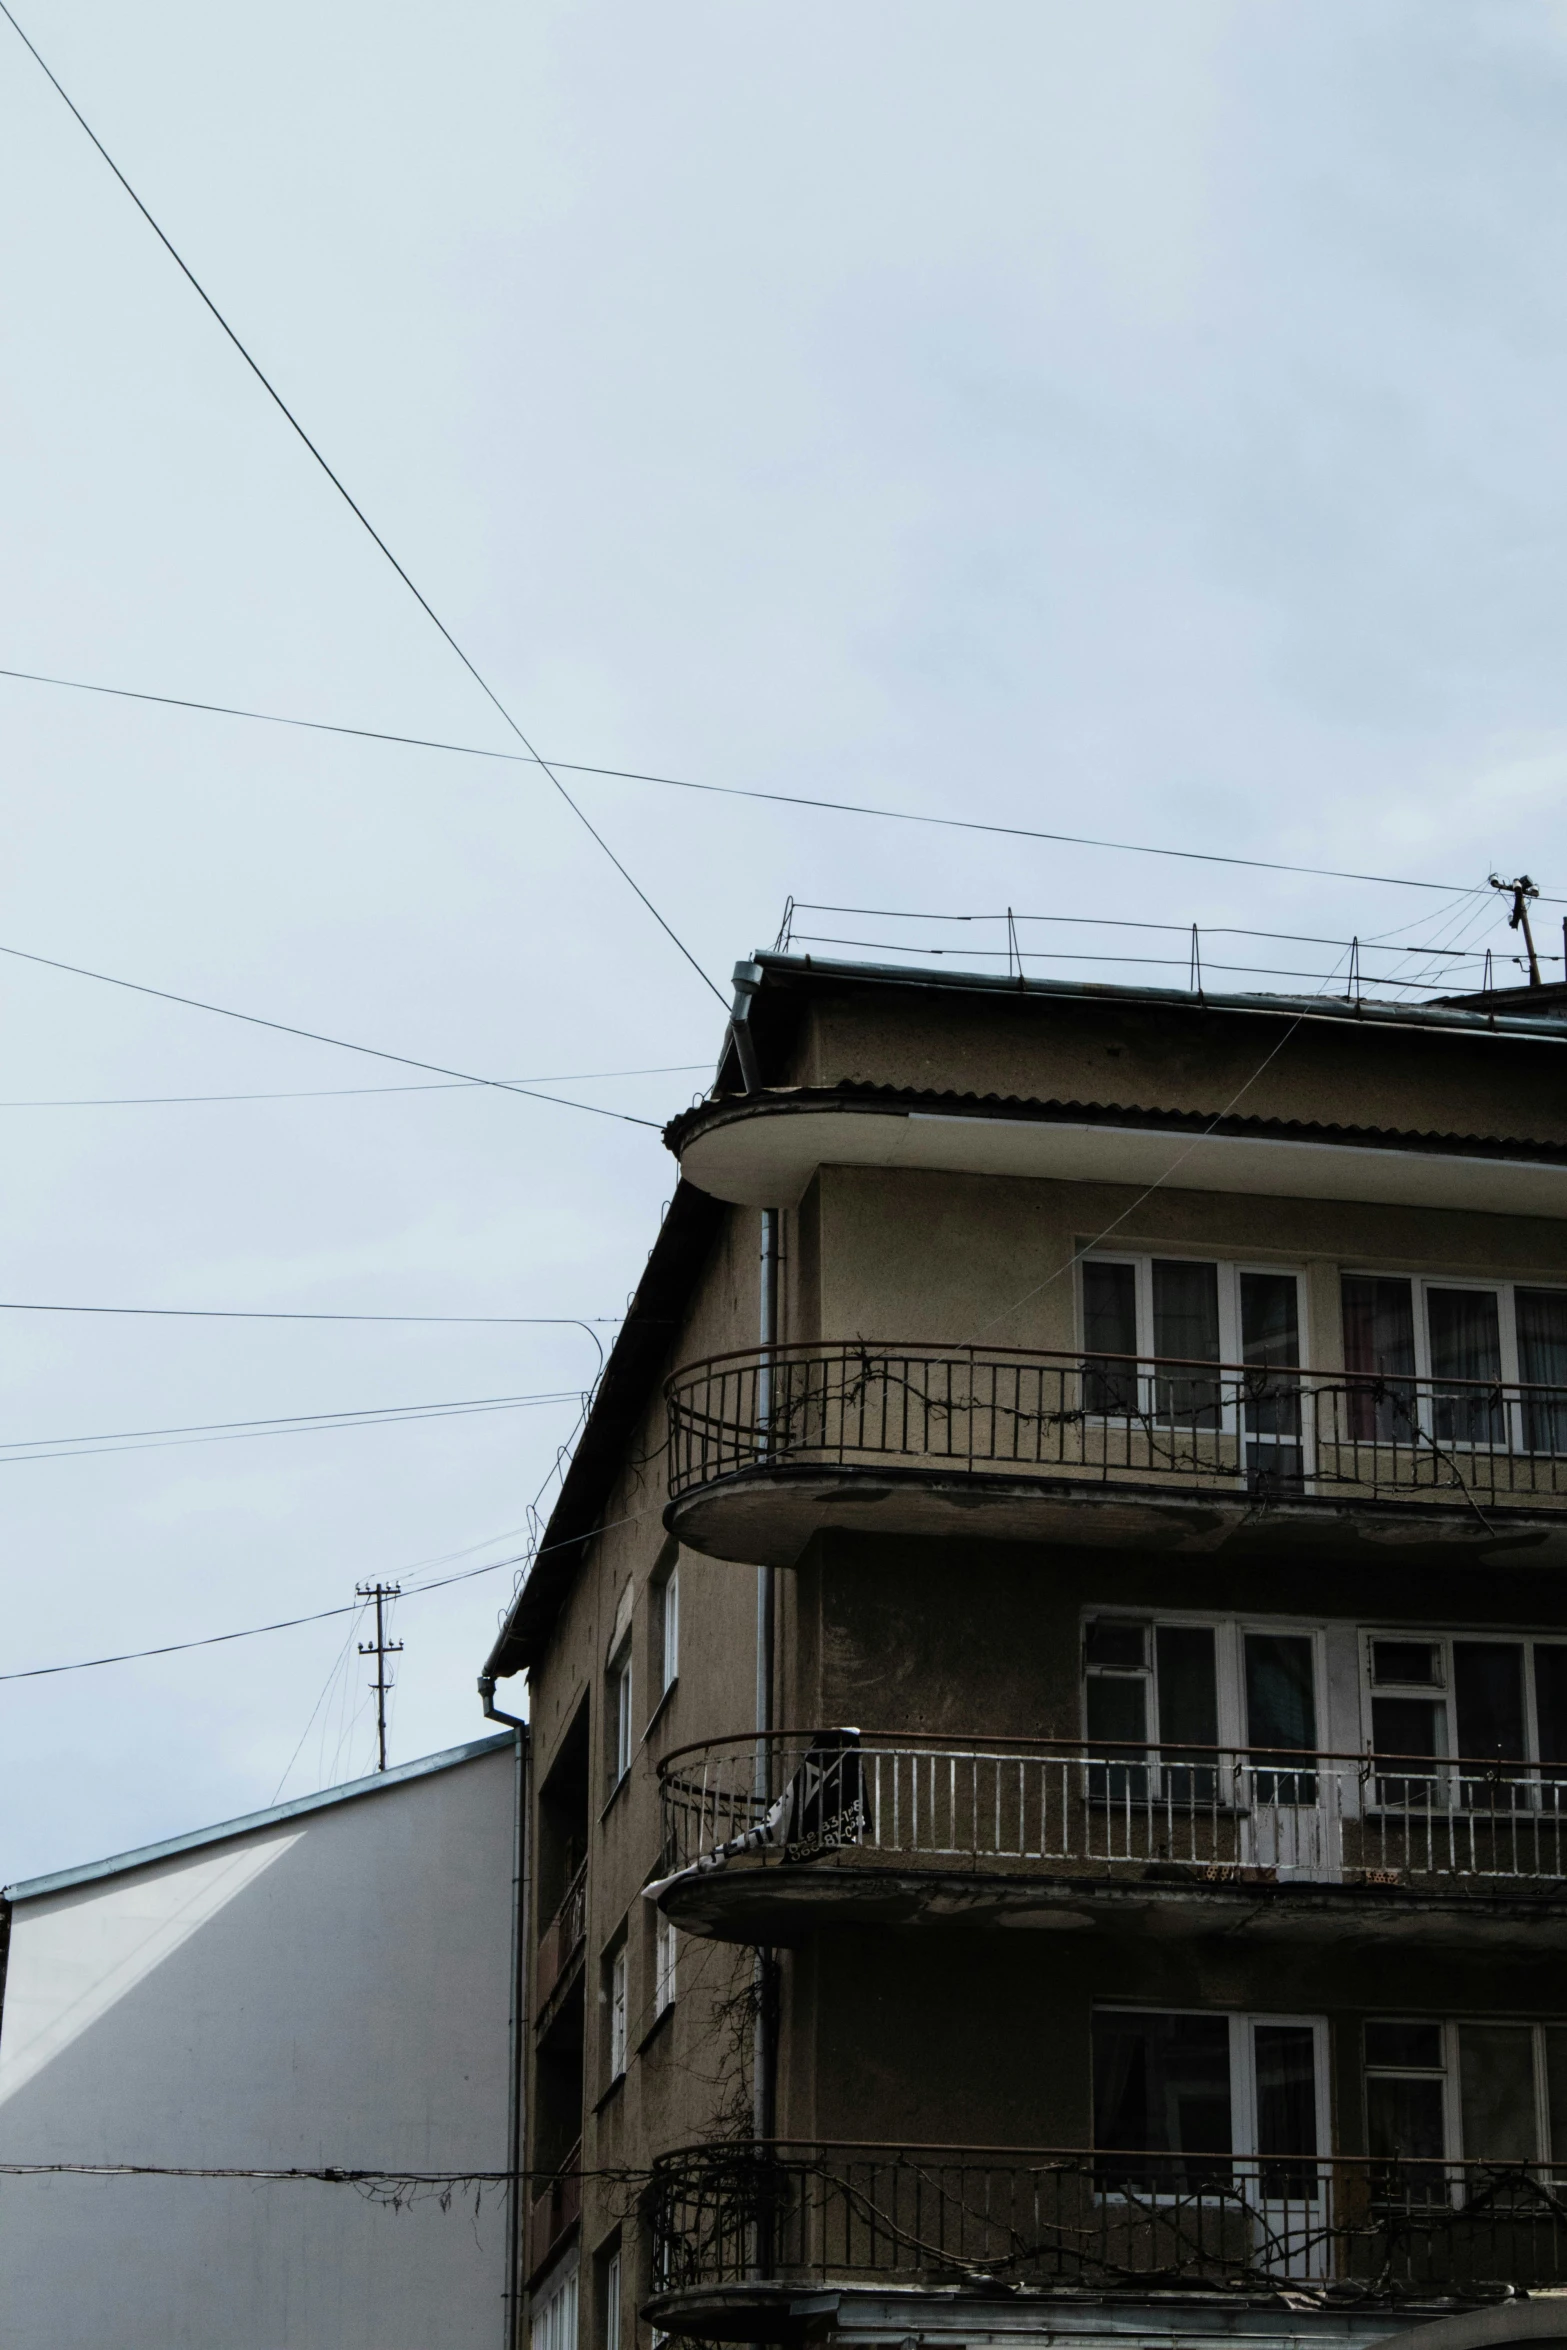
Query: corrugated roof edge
120, 1863
1548, 1029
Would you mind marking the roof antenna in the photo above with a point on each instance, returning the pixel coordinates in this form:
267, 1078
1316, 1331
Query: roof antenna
1488, 983
380, 1648
782, 942
1014, 951
1352, 986
1523, 889
1194, 975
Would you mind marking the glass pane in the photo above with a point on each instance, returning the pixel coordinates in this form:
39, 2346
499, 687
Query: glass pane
1284, 2056
1415, 1663
1114, 1641
1466, 1344
1188, 1710
1404, 2136
1496, 2092
1379, 1343
1411, 1726
1542, 1364
1109, 1329
1550, 1700
1411, 2047
1488, 1685
1118, 1733
1186, 1329
1556, 2089
1281, 1713
1162, 2087
1270, 1340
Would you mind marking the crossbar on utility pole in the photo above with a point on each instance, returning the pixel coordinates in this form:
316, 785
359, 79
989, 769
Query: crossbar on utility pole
380, 1648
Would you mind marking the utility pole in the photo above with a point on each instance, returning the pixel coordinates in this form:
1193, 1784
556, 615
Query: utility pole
1521, 890
380, 1648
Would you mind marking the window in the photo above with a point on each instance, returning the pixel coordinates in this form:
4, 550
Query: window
1185, 2103
1482, 2092
615, 1998
619, 1714
611, 2328
664, 1937
554, 2324
1499, 1703
1494, 1353
1151, 1323
1184, 1688
666, 1628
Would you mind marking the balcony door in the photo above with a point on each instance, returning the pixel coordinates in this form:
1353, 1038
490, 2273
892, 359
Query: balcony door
1219, 2108
1289, 1822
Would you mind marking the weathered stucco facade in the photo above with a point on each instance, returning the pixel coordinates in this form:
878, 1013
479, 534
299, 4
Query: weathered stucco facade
1135, 1901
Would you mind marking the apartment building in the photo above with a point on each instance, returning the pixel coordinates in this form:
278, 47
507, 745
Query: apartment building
1048, 1684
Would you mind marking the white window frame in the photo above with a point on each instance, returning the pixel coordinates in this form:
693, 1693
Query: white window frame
1445, 1695
1229, 1270
619, 2021
1453, 2080
1229, 1668
621, 1694
665, 1963
1243, 2094
1506, 1294
552, 2316
612, 2301
669, 1630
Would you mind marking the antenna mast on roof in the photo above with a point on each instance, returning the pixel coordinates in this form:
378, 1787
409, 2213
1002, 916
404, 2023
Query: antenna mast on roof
1522, 890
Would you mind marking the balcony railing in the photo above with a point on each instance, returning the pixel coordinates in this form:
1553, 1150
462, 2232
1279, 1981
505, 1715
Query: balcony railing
1069, 1807
1255, 1430
563, 1937
1371, 2228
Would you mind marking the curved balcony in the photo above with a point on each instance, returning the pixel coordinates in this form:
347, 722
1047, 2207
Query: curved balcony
743, 2230
768, 1447
770, 1840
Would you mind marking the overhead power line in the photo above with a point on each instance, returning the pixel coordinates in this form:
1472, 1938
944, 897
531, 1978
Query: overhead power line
61, 1448
131, 1656
373, 1052
358, 512
12, 1305
736, 791
326, 1093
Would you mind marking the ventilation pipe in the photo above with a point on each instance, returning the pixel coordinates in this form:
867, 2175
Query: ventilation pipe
764, 2058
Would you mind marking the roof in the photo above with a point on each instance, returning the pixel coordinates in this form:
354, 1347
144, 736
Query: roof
1496, 1014
691, 1223
31, 1888
858, 1094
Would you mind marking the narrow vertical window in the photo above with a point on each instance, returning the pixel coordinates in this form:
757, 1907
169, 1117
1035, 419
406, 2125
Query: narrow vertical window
620, 1684
1496, 2092
1110, 1337
664, 1965
1550, 1709
1406, 2109
1542, 1366
1281, 1715
1270, 1349
1186, 1331
617, 2013
1379, 1354
1466, 1366
670, 1628
1116, 1709
1408, 1716
1188, 1711
1284, 2064
1489, 1702
612, 2302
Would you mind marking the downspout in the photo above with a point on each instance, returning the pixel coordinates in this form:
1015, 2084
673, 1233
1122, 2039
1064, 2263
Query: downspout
516, 2026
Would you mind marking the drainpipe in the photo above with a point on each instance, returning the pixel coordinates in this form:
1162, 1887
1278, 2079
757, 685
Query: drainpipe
516, 2025
763, 2061
748, 978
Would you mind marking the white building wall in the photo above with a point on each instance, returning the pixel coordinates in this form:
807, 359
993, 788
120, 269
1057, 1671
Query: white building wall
331, 1987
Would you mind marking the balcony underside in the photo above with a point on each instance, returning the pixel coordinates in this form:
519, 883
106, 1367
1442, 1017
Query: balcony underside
1072, 2318
784, 1904
766, 1516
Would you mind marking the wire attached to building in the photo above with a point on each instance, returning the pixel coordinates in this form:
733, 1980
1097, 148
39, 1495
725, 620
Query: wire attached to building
278, 401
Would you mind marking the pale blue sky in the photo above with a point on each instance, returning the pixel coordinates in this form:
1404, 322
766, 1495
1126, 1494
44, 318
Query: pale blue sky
1138, 419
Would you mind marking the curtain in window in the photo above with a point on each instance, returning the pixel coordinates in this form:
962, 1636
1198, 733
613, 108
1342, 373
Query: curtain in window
1186, 1330
1379, 1353
1162, 2093
1466, 1348
1542, 1366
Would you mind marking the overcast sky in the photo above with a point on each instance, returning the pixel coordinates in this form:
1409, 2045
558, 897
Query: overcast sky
1137, 420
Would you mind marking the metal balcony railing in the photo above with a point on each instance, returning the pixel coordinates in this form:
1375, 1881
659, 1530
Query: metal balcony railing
1094, 1810
819, 2213
563, 1937
1267, 1431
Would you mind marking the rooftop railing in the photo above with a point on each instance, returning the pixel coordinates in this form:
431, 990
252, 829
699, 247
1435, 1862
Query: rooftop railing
1205, 1814
1369, 2228
1265, 1431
